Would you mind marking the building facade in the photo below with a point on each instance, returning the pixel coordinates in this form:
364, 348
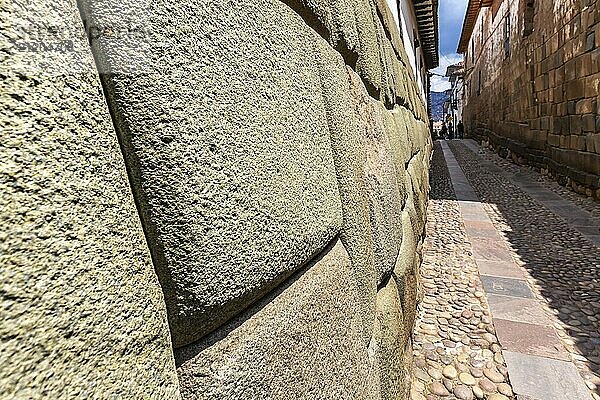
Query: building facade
212, 199
418, 26
532, 75
455, 95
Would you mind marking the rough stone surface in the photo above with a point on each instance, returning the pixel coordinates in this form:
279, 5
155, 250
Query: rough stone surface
349, 157
383, 190
250, 207
380, 154
83, 314
391, 341
296, 342
277, 153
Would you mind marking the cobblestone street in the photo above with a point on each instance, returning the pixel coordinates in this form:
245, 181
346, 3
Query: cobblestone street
510, 282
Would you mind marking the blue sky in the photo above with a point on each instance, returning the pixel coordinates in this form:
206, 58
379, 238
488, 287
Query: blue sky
451, 15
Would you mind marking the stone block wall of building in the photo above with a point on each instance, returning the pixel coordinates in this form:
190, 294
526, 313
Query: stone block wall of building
539, 99
212, 200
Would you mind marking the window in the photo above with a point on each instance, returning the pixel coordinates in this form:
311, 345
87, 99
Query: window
479, 83
416, 43
507, 35
400, 18
472, 51
527, 11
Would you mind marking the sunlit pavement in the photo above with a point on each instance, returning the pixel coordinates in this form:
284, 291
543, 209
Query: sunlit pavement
510, 277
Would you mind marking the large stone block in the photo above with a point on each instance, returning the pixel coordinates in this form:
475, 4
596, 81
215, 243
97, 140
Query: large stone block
391, 29
402, 142
83, 314
368, 64
406, 118
574, 89
398, 85
396, 130
388, 94
384, 194
350, 155
334, 20
406, 257
417, 187
401, 82
350, 28
410, 293
304, 342
225, 132
391, 338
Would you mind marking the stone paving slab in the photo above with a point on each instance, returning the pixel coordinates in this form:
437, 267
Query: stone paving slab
500, 268
517, 309
533, 339
466, 196
472, 207
566, 210
542, 194
481, 229
588, 230
491, 249
541, 378
462, 187
474, 217
594, 239
507, 286
575, 221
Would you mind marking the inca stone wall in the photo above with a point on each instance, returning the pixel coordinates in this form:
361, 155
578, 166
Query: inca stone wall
542, 101
229, 206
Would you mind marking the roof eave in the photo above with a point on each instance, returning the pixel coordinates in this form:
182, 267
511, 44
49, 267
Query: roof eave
471, 15
426, 12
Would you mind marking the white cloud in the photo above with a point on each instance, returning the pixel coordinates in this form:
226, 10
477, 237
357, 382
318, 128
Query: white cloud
438, 83
446, 60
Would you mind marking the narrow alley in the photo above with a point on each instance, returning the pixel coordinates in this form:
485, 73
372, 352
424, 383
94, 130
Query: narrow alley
300, 200
510, 282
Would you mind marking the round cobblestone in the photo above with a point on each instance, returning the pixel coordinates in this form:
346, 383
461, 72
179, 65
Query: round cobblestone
467, 379
463, 392
450, 372
416, 395
434, 373
493, 375
487, 385
497, 396
505, 389
478, 392
438, 389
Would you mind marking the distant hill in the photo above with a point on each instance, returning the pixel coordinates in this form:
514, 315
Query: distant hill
437, 105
